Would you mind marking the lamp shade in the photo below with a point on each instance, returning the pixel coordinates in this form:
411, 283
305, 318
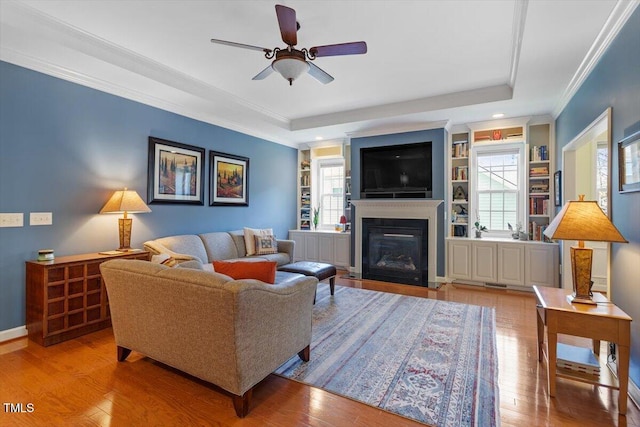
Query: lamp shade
583, 220
290, 68
125, 201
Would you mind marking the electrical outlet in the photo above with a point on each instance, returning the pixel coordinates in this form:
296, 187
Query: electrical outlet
11, 220
40, 218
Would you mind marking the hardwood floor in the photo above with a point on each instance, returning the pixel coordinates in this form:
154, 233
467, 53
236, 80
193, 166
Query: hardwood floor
79, 382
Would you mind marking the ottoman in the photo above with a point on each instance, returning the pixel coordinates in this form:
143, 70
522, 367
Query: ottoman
318, 270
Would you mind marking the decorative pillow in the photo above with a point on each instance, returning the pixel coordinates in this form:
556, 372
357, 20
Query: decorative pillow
249, 241
164, 259
260, 270
266, 245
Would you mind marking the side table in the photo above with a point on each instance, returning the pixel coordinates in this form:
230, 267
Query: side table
66, 297
604, 321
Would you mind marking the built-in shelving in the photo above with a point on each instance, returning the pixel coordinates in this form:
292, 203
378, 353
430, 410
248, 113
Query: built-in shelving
304, 190
540, 184
459, 185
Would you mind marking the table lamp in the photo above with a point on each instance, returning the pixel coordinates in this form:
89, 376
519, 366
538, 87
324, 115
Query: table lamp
125, 201
582, 220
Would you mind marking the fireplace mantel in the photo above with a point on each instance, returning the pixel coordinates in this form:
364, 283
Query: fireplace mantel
401, 209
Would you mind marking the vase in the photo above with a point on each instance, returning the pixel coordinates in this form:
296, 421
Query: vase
478, 234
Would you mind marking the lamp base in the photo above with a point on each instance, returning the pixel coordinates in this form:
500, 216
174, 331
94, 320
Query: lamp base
579, 299
124, 232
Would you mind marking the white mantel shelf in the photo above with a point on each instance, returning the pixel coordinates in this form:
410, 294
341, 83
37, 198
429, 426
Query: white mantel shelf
400, 209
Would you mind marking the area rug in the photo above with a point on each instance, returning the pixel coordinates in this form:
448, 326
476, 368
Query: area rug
432, 361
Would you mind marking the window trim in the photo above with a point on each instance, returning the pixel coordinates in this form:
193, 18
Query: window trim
317, 184
521, 213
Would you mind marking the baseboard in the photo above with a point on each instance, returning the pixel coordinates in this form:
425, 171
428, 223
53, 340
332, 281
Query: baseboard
10, 334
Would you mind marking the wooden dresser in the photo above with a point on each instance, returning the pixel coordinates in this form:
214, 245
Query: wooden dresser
66, 297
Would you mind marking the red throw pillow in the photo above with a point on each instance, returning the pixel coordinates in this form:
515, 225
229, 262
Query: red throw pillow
260, 270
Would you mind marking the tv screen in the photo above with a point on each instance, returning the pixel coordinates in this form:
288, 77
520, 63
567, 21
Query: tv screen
396, 168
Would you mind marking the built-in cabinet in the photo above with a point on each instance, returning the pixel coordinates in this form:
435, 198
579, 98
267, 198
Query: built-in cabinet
321, 246
537, 138
503, 262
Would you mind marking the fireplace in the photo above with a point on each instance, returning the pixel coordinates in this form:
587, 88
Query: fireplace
426, 211
395, 250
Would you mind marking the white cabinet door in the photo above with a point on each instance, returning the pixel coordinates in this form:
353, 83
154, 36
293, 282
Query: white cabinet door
326, 248
298, 248
459, 259
511, 264
484, 262
541, 266
311, 247
342, 246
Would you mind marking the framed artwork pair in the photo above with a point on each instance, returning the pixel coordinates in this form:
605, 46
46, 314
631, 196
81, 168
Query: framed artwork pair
176, 171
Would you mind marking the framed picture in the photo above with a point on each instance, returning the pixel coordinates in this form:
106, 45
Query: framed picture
228, 180
557, 188
629, 163
175, 172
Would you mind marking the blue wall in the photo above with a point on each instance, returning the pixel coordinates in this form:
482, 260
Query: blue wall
65, 148
615, 82
438, 138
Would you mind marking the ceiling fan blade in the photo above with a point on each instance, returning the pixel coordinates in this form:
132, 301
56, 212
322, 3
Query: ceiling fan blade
288, 24
264, 73
319, 74
242, 45
353, 48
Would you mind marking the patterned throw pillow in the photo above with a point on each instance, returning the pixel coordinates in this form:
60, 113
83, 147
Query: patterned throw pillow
249, 241
266, 245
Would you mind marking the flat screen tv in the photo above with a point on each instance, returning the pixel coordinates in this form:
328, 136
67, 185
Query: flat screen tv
396, 171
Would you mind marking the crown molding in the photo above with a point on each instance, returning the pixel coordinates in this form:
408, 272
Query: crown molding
519, 20
616, 20
413, 127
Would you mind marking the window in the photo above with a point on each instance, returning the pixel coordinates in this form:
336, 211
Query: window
602, 175
330, 192
499, 186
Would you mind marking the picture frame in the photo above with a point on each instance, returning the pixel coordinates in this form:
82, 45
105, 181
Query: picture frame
629, 163
228, 179
175, 172
557, 188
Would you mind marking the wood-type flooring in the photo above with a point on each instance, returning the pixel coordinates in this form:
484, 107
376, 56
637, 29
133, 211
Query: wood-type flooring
80, 383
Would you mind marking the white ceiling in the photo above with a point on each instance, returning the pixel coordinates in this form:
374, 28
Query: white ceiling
428, 62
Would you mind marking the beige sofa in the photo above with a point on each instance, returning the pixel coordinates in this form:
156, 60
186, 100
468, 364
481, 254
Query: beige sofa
224, 245
232, 333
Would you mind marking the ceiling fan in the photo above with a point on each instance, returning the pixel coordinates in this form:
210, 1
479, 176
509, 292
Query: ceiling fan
290, 62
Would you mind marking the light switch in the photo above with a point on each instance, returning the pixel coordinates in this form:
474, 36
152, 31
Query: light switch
11, 220
40, 218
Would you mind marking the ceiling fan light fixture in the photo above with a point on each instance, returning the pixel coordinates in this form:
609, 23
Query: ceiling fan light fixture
290, 68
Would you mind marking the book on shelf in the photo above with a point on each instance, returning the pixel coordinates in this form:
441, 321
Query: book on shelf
459, 173
538, 205
536, 232
579, 359
539, 171
460, 149
538, 153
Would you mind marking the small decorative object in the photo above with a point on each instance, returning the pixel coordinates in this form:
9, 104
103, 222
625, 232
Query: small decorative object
454, 215
228, 180
497, 135
316, 218
629, 161
175, 172
479, 228
582, 220
343, 223
459, 193
515, 233
45, 255
305, 164
404, 179
124, 202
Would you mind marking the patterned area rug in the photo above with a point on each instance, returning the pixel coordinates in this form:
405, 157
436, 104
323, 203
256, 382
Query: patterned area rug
431, 361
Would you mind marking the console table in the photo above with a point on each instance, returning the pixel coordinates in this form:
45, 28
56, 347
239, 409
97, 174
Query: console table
66, 297
604, 321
